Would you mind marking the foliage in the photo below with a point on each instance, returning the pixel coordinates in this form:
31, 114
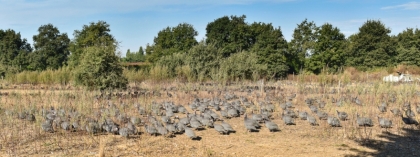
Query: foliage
171, 40
203, 58
270, 48
134, 56
172, 62
371, 47
94, 34
51, 48
242, 65
302, 45
14, 52
328, 50
231, 34
100, 69
408, 47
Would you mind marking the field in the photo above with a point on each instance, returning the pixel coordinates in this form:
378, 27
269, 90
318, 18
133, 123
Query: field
21, 137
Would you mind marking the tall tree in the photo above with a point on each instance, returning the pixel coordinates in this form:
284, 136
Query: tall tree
230, 34
171, 40
270, 47
408, 48
328, 50
95, 34
14, 52
51, 48
371, 46
302, 45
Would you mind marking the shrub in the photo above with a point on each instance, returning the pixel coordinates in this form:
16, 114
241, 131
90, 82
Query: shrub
100, 69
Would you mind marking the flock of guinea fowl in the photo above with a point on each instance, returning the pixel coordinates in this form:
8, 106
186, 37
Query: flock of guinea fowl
168, 119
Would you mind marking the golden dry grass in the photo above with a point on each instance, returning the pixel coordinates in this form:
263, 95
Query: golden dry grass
23, 138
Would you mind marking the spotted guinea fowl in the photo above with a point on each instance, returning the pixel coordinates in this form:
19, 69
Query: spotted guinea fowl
190, 133
219, 128
227, 127
302, 115
382, 108
384, 122
47, 126
333, 121
288, 120
250, 124
342, 115
273, 127
409, 113
150, 129
409, 121
364, 121
312, 120
396, 111
322, 115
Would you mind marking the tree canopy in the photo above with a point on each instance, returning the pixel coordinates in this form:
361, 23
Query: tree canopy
51, 48
95, 34
170, 40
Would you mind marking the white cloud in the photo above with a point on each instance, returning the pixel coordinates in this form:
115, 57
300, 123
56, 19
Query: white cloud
406, 6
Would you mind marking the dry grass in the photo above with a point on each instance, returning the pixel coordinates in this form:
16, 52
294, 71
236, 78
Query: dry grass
23, 138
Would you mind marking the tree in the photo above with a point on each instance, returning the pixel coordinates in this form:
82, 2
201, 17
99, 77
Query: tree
94, 34
171, 40
14, 52
302, 45
100, 69
204, 58
328, 50
51, 48
231, 34
371, 47
408, 47
270, 47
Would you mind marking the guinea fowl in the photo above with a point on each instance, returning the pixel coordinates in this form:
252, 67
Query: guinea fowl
288, 120
333, 121
257, 117
364, 121
232, 112
312, 120
273, 127
342, 115
150, 129
409, 121
382, 108
322, 115
227, 126
219, 128
124, 132
302, 115
313, 108
290, 113
190, 133
47, 126
409, 113
396, 111
250, 124
384, 122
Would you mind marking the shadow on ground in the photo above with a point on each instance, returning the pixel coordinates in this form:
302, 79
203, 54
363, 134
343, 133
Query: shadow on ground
388, 144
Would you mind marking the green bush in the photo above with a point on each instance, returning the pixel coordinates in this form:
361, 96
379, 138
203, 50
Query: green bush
100, 69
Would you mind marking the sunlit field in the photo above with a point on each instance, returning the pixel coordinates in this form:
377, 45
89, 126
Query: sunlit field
23, 136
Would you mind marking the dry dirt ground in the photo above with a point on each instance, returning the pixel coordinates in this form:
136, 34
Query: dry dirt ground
23, 138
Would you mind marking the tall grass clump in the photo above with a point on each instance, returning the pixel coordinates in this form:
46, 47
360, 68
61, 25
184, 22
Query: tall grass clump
159, 73
136, 76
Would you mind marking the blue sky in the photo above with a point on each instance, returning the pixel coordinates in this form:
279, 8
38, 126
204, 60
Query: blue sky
135, 23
